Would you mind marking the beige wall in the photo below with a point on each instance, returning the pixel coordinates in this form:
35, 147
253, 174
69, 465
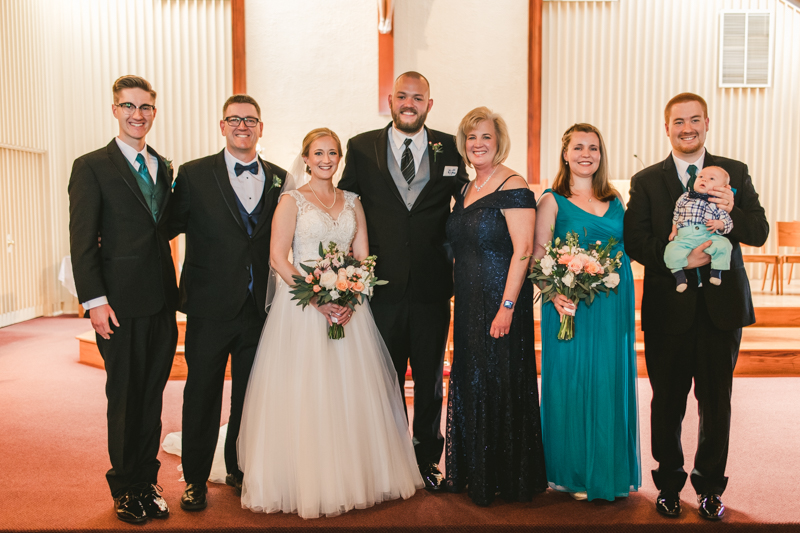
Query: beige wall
313, 63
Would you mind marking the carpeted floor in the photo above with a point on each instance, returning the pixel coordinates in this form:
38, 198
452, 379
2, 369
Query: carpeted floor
53, 459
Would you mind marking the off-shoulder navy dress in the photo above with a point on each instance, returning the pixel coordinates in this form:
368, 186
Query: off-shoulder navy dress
494, 436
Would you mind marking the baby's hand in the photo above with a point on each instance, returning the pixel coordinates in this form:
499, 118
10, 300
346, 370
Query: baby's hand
715, 225
673, 233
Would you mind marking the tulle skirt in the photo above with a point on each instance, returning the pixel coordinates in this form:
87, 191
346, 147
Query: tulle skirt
323, 428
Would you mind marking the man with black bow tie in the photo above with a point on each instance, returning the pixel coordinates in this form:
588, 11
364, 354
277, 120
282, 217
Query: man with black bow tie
127, 287
224, 203
693, 335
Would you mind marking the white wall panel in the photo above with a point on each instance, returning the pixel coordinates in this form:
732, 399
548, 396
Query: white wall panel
616, 64
59, 60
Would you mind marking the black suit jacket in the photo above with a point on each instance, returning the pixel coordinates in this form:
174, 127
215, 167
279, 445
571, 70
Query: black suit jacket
410, 245
219, 252
133, 268
648, 223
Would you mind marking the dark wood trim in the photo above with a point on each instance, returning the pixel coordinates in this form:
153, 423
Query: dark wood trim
239, 51
385, 70
534, 89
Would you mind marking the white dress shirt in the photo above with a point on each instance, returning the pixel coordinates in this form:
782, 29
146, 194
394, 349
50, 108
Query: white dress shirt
248, 187
683, 166
419, 143
151, 162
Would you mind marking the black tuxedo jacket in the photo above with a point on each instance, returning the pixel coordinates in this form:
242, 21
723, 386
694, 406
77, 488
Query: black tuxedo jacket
133, 268
409, 244
648, 223
219, 252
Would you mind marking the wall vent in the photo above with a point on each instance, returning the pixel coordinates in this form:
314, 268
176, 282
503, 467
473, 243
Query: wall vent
745, 48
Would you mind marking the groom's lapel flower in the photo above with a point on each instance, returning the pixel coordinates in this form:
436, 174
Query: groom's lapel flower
168, 163
437, 149
276, 183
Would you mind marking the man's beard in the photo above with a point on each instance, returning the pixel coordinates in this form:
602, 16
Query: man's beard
408, 128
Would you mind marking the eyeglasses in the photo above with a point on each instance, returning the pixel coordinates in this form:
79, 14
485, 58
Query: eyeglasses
250, 122
129, 108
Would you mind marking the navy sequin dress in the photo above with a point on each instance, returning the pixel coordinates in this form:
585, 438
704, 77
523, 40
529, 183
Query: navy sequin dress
494, 435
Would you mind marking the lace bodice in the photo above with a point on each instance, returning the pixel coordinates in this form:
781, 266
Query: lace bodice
315, 226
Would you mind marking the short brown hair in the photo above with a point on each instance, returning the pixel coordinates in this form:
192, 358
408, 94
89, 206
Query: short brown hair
130, 81
319, 133
471, 121
682, 99
601, 188
241, 99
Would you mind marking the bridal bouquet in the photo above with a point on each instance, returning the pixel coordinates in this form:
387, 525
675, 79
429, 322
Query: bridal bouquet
577, 273
336, 277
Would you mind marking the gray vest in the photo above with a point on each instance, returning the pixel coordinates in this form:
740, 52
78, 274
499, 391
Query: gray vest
409, 193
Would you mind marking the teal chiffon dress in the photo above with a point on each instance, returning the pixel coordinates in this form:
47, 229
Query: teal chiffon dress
590, 424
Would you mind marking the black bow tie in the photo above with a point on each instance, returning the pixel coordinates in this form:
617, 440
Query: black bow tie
693, 194
251, 168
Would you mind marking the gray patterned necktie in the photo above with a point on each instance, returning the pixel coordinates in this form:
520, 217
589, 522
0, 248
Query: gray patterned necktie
407, 163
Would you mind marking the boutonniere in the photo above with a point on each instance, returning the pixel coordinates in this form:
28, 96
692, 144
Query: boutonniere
168, 163
437, 149
276, 182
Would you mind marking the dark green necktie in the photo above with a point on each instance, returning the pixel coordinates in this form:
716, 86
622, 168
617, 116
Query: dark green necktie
692, 170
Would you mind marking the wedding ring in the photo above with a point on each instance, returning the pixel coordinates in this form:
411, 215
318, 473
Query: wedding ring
502, 334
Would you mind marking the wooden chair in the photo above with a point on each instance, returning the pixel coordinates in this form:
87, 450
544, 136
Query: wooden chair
788, 237
767, 259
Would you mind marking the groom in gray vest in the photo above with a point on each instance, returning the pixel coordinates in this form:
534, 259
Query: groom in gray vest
406, 175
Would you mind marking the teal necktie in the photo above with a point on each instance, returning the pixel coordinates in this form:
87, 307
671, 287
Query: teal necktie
143, 171
692, 170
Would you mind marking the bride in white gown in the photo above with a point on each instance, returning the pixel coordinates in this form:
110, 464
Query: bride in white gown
323, 428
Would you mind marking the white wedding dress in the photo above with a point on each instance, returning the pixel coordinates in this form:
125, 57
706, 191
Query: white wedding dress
323, 427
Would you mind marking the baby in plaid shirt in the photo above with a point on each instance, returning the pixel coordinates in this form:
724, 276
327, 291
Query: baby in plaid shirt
695, 221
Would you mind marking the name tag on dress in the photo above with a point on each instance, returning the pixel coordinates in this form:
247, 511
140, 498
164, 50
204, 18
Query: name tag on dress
450, 171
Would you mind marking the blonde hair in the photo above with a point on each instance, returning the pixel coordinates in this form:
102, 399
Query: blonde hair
471, 121
601, 188
131, 82
319, 133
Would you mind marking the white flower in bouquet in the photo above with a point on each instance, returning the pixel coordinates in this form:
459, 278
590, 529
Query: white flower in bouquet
334, 295
547, 265
359, 272
569, 279
350, 270
328, 279
611, 281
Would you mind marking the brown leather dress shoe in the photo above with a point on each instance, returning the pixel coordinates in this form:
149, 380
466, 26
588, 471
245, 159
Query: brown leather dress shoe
194, 497
711, 507
432, 477
129, 508
155, 506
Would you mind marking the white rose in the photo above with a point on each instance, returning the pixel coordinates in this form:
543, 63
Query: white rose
547, 263
611, 281
359, 272
328, 279
350, 270
334, 295
569, 279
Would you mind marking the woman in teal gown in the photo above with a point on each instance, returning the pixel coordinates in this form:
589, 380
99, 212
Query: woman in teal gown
589, 410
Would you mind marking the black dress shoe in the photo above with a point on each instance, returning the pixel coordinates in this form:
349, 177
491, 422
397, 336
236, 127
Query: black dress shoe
711, 507
668, 504
234, 482
155, 506
194, 497
129, 508
431, 477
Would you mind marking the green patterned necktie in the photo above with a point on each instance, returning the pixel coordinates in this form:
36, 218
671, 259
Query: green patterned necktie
692, 170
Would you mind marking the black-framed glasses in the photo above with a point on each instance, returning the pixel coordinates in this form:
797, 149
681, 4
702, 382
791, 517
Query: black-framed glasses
250, 122
129, 108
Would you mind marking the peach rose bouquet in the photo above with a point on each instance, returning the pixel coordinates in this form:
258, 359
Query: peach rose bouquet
336, 277
577, 273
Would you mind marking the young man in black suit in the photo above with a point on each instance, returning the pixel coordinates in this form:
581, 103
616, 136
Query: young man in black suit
224, 203
694, 334
120, 193
406, 175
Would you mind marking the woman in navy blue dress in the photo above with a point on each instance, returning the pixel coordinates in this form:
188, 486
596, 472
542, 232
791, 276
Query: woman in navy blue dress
494, 441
